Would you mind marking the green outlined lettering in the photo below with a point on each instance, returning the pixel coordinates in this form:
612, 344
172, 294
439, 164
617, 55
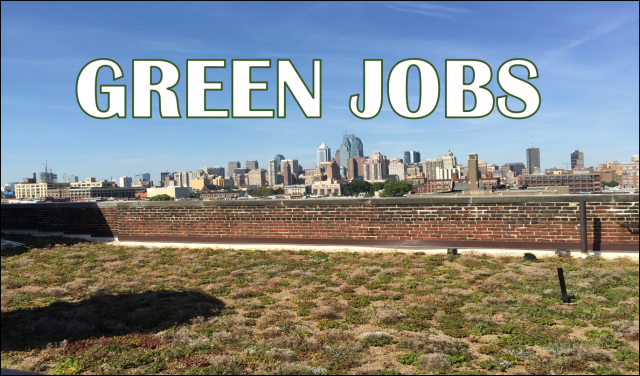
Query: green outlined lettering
371, 91
456, 89
198, 86
518, 88
143, 88
86, 94
242, 86
398, 88
310, 104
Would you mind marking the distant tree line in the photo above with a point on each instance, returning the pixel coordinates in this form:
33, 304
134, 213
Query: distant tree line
162, 197
265, 191
390, 188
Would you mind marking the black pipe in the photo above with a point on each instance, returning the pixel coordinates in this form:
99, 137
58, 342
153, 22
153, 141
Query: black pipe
563, 287
583, 226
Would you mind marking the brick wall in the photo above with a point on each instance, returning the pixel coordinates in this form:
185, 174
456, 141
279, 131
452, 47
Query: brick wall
549, 221
69, 217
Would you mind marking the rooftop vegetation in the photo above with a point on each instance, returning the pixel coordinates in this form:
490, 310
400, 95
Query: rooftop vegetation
91, 308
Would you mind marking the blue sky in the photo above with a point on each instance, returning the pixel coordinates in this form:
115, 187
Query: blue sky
586, 54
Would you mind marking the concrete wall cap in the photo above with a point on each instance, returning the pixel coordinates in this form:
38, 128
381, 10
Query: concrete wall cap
369, 201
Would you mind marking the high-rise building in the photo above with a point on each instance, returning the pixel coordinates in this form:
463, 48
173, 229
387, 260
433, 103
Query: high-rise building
164, 176
48, 177
533, 158
214, 171
345, 150
411, 157
125, 181
355, 167
577, 159
184, 178
333, 170
357, 149
68, 178
145, 176
175, 177
279, 158
449, 161
515, 167
430, 165
635, 159
257, 177
482, 167
287, 176
240, 171
396, 167
272, 172
232, 166
351, 147
252, 165
324, 153
199, 174
293, 163
375, 167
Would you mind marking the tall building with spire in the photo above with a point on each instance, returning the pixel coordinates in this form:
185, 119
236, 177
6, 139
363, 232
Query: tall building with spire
324, 154
533, 159
351, 147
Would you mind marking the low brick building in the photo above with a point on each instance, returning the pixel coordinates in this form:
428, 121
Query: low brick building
577, 183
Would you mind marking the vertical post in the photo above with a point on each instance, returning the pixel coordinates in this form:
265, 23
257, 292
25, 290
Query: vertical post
583, 226
563, 287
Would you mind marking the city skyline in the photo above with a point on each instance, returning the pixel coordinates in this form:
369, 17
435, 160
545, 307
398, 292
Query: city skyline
587, 56
314, 163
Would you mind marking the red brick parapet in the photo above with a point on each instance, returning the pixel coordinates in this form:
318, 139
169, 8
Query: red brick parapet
500, 221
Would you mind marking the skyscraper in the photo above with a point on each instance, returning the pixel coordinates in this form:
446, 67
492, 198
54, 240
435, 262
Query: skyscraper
577, 159
68, 178
232, 166
184, 178
355, 167
533, 158
345, 150
375, 168
351, 147
286, 174
125, 181
357, 149
411, 157
214, 171
279, 158
272, 172
293, 163
449, 161
324, 154
145, 176
252, 165
48, 177
430, 167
